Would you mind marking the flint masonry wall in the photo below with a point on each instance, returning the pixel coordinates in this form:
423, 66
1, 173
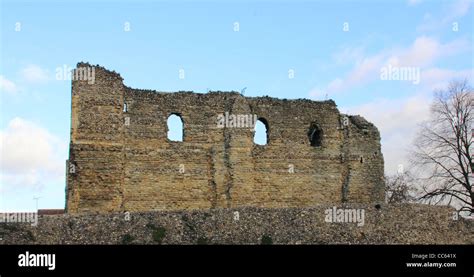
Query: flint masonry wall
387, 224
113, 166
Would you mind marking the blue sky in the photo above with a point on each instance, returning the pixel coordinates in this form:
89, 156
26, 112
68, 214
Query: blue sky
285, 49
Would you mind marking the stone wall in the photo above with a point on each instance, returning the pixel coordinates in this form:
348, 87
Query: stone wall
115, 166
385, 224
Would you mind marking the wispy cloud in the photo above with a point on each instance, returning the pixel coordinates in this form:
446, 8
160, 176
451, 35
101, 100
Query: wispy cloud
349, 54
435, 78
7, 85
34, 74
426, 50
414, 2
423, 52
455, 11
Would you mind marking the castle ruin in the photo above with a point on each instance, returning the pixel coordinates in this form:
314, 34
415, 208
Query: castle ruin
120, 158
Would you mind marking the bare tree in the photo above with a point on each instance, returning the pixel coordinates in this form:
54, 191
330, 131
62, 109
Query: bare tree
442, 149
399, 188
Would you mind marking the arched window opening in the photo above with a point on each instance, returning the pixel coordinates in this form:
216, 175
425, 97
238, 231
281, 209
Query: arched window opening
261, 132
175, 127
315, 135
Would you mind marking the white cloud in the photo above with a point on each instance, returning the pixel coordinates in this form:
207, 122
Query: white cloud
414, 2
29, 155
423, 52
437, 78
364, 70
35, 74
457, 10
454, 12
7, 85
316, 93
348, 54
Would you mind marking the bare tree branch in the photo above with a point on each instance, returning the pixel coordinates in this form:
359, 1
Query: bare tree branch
442, 149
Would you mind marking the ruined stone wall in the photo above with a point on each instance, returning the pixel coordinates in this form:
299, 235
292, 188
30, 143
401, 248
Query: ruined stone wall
385, 224
123, 161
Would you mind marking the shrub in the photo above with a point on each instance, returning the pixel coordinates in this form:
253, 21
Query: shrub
266, 240
202, 241
159, 234
127, 239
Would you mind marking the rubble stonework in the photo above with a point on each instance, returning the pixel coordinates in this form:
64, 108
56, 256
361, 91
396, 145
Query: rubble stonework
383, 224
120, 158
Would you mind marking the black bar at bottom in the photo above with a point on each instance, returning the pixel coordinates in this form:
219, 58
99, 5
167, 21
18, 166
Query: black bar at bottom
416, 260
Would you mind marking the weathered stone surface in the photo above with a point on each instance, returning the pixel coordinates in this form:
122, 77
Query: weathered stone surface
135, 167
385, 224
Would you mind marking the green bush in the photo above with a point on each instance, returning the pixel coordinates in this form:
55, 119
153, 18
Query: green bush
266, 240
127, 239
202, 241
159, 234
